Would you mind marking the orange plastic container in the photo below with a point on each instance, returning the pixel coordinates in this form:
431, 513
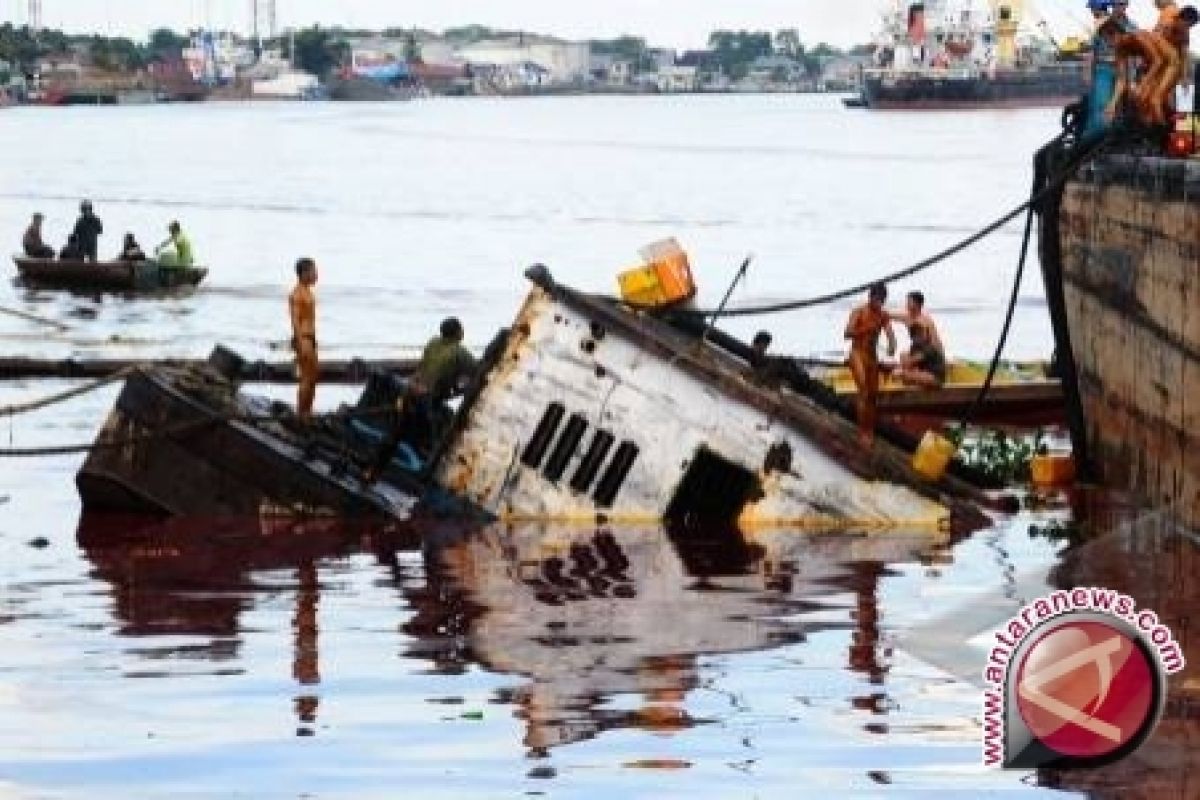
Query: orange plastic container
665, 280
1053, 469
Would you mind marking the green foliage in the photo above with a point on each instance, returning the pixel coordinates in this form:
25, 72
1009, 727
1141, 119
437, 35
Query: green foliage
22, 47
1002, 458
165, 44
733, 51
317, 50
116, 55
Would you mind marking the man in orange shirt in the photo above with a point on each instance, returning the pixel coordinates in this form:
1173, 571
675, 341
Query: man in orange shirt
302, 305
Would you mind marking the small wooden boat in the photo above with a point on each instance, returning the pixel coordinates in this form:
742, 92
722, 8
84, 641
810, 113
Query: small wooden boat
1021, 395
107, 276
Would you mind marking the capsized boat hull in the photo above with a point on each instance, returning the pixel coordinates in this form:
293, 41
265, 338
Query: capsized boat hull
113, 276
597, 412
171, 446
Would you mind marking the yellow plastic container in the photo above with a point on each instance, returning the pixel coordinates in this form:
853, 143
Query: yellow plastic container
665, 280
1053, 469
640, 287
933, 456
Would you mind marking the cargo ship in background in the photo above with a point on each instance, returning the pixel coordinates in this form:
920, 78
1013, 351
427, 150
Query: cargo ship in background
947, 54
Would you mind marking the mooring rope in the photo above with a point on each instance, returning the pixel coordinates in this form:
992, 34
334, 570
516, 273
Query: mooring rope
61, 397
25, 315
1051, 185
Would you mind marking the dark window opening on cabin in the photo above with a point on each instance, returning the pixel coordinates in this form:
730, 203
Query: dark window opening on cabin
567, 444
713, 491
543, 434
592, 460
614, 477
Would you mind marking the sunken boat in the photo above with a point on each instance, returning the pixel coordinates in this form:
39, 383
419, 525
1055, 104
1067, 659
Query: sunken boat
105, 276
586, 409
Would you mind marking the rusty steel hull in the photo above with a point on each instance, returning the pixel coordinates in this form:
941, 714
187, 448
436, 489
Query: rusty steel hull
1128, 235
597, 412
167, 450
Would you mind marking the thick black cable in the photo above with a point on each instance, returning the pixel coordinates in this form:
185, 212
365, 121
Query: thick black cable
1008, 319
1051, 185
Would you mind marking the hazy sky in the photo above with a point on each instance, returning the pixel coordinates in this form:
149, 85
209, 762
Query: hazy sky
678, 23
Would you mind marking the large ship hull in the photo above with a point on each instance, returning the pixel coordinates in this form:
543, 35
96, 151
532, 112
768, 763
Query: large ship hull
1054, 85
1119, 253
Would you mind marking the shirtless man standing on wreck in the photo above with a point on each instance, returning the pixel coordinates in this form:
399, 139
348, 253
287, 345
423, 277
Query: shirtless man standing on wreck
863, 328
302, 305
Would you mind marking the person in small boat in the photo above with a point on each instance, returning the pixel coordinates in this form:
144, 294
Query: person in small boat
924, 364
915, 314
444, 372
131, 250
863, 329
72, 251
302, 309
32, 241
87, 231
176, 250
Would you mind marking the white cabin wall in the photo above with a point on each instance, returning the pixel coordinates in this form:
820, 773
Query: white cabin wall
668, 414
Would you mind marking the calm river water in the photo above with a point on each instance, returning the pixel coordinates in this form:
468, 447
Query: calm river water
232, 658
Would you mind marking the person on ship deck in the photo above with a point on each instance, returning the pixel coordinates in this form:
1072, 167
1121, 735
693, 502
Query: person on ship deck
1158, 52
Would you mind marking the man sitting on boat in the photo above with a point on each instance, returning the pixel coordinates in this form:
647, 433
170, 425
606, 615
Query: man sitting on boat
131, 250
176, 251
915, 314
87, 231
924, 364
72, 251
32, 241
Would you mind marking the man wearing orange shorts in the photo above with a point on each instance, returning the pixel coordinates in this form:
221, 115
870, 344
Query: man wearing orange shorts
302, 305
863, 328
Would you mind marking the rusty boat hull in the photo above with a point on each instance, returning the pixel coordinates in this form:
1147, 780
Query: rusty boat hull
185, 442
1119, 256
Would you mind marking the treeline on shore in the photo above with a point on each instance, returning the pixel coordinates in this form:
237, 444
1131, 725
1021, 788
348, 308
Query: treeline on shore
319, 49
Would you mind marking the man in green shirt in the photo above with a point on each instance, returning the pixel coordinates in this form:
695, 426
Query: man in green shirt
446, 366
176, 251
444, 372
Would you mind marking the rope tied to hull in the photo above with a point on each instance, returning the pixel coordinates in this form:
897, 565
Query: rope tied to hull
1048, 185
15, 409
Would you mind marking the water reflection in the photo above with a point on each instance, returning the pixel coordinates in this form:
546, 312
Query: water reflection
1155, 560
599, 619
604, 629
